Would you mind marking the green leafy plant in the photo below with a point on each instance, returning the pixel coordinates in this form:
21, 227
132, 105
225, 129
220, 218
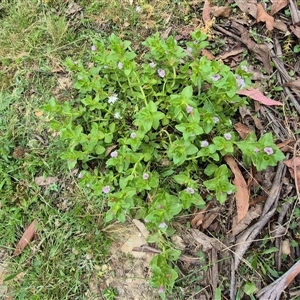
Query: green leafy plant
150, 133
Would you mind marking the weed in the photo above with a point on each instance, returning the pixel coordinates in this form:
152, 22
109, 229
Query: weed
153, 122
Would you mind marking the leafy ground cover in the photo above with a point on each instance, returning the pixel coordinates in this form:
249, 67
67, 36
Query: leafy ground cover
135, 113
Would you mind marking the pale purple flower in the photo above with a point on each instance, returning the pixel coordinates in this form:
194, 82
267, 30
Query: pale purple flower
268, 150
216, 119
106, 189
256, 150
161, 290
114, 154
93, 48
152, 64
161, 73
244, 68
138, 9
133, 135
162, 225
189, 109
240, 81
204, 144
227, 136
159, 206
145, 176
190, 190
215, 77
117, 115
112, 99
80, 175
120, 65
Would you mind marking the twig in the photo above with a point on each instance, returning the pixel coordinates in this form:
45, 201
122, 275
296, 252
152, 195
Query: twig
245, 239
274, 290
148, 249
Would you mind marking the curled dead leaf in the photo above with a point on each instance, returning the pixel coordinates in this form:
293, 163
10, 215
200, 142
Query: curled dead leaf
262, 16
26, 238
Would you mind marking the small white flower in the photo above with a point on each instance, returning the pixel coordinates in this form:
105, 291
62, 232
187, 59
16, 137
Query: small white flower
117, 115
161, 73
133, 135
204, 144
93, 48
227, 136
189, 109
106, 189
145, 176
112, 99
216, 120
244, 68
190, 190
162, 225
138, 9
114, 154
120, 65
152, 64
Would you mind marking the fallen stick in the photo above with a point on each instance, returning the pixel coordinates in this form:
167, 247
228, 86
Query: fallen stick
274, 290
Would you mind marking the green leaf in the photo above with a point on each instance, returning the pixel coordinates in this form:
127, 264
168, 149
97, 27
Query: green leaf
181, 178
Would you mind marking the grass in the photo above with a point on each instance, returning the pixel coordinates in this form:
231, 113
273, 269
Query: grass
72, 240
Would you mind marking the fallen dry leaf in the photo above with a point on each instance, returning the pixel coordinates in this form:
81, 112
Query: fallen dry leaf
258, 96
26, 238
221, 11
278, 5
248, 7
109, 149
178, 242
233, 52
199, 217
141, 227
286, 247
261, 50
262, 16
296, 30
242, 130
252, 214
285, 146
38, 113
294, 84
40, 180
278, 24
208, 54
209, 218
206, 12
292, 164
242, 193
